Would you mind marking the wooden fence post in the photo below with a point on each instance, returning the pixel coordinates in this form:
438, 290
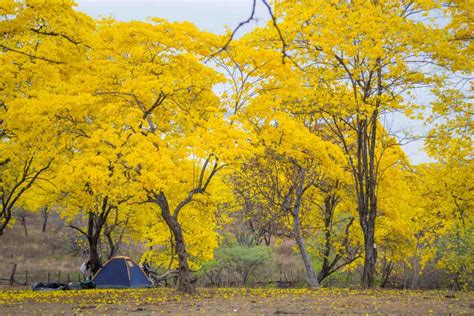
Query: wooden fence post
12, 276
59, 277
68, 278
49, 276
26, 277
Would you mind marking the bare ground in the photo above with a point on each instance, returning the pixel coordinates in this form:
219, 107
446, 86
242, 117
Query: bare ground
235, 301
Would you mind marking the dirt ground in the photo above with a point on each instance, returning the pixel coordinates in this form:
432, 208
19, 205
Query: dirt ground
234, 301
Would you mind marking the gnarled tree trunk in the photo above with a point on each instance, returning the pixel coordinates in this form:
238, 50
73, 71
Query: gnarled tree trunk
185, 281
93, 239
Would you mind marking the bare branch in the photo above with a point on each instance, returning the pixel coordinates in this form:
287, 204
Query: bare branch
234, 32
275, 25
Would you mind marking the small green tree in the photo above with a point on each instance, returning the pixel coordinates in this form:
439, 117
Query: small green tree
242, 260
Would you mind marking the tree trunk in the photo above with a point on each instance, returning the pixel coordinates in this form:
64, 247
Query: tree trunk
94, 255
5, 218
367, 196
310, 273
112, 247
416, 273
45, 214
405, 276
23, 223
330, 203
368, 276
12, 275
299, 182
364, 170
387, 267
185, 282
368, 207
93, 240
456, 286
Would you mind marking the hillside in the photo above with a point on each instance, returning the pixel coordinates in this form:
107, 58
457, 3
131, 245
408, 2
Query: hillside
59, 250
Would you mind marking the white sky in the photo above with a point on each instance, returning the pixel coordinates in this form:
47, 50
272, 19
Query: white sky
211, 15
215, 16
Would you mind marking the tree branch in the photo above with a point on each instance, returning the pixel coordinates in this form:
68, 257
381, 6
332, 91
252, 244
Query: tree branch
31, 55
234, 32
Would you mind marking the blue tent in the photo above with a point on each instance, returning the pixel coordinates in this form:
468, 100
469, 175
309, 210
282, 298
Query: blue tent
120, 272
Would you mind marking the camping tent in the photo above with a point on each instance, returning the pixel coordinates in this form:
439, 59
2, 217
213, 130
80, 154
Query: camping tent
120, 272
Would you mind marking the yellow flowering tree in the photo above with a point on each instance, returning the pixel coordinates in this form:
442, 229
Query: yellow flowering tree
360, 61
41, 42
178, 141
